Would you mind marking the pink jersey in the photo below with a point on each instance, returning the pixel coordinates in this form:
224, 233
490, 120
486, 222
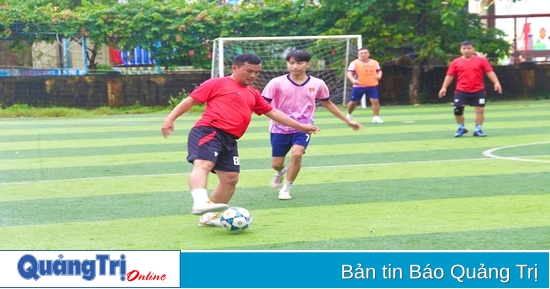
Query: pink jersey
296, 101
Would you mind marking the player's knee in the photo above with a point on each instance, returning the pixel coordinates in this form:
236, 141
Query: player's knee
459, 110
297, 155
479, 109
278, 163
230, 179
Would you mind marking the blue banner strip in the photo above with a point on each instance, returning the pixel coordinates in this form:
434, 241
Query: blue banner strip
352, 269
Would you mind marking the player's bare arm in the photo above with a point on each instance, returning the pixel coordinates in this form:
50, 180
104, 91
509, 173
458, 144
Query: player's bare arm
168, 125
330, 106
446, 83
493, 77
282, 118
351, 77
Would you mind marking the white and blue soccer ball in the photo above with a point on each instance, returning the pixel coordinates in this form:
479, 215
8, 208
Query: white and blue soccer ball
236, 219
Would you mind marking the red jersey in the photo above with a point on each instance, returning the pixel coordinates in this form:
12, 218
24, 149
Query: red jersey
229, 105
469, 73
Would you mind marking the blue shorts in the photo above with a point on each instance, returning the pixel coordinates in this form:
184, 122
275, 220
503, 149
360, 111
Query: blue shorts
282, 143
208, 143
358, 92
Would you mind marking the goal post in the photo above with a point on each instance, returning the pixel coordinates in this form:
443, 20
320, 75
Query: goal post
331, 56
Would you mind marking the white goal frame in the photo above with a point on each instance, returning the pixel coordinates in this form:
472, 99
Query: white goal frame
219, 45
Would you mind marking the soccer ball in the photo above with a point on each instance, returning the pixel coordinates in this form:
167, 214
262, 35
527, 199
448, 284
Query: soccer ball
236, 219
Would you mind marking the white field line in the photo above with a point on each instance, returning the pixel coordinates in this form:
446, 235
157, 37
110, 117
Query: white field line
252, 170
489, 153
190, 119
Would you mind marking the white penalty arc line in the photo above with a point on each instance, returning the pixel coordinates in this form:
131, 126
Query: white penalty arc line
489, 153
252, 170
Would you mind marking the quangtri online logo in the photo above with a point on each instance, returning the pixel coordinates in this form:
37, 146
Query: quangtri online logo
31, 268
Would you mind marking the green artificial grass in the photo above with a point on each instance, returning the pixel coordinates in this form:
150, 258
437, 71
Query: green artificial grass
113, 182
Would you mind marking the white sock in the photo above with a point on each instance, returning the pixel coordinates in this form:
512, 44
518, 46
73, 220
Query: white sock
199, 196
281, 172
288, 184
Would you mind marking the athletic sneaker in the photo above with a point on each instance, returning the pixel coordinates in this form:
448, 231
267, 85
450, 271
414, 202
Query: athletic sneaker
479, 133
284, 193
208, 206
349, 116
277, 181
377, 119
210, 219
461, 131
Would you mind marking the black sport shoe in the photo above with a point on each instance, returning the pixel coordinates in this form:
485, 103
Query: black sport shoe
460, 132
479, 133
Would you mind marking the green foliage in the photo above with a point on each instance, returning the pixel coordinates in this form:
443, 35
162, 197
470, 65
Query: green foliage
104, 67
173, 101
176, 32
180, 33
431, 28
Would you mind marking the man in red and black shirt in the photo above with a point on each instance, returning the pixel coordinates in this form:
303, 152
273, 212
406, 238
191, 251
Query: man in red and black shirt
470, 88
212, 142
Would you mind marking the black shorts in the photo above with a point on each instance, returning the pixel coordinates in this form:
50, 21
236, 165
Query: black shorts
219, 147
477, 98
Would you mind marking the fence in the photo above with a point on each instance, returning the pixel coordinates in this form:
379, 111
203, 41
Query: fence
524, 81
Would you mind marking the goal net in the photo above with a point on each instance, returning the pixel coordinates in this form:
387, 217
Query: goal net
331, 57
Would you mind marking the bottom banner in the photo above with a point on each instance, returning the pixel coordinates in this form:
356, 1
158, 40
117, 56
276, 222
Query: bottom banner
364, 269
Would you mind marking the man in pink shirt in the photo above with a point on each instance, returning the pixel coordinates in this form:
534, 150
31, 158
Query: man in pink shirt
295, 95
470, 87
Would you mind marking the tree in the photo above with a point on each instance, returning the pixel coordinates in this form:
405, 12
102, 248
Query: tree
430, 28
173, 30
43, 20
179, 33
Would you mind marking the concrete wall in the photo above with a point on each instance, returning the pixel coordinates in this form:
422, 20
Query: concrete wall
114, 90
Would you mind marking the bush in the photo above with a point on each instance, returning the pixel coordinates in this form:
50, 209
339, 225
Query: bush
174, 101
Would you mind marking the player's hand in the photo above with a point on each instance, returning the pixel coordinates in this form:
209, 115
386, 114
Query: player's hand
309, 129
167, 128
498, 88
355, 125
442, 92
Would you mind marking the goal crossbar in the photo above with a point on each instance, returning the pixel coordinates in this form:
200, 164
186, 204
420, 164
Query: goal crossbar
288, 38
218, 59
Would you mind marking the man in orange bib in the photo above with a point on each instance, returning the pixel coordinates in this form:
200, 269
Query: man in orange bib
365, 73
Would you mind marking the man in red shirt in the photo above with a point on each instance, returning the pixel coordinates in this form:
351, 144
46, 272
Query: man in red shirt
470, 88
212, 142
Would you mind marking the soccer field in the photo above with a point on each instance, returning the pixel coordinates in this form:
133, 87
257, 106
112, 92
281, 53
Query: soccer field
114, 182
